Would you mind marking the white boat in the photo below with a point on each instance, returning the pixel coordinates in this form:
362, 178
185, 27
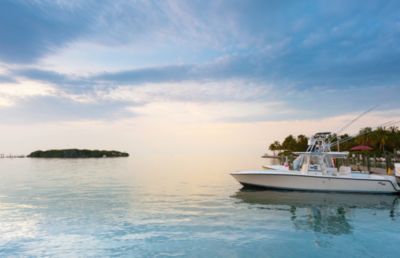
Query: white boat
315, 170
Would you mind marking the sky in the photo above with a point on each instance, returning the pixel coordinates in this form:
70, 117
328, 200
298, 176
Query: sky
192, 77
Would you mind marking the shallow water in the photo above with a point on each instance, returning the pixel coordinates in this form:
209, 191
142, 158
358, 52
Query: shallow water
138, 208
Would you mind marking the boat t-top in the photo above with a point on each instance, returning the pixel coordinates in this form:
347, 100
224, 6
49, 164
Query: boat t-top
316, 170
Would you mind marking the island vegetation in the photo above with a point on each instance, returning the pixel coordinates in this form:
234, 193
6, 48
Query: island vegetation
382, 141
77, 153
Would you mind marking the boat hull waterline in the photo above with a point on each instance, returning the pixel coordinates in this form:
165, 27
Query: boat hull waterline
287, 180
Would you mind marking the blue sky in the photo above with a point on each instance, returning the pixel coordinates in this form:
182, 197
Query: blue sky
283, 60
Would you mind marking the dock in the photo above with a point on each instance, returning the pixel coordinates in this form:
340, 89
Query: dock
10, 156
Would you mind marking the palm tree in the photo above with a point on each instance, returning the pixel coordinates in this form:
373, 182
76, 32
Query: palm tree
301, 142
382, 137
289, 144
364, 136
275, 146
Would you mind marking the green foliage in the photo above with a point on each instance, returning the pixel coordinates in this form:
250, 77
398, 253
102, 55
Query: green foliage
275, 146
381, 140
77, 153
290, 144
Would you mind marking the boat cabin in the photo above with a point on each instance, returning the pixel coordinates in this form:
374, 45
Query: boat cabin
319, 157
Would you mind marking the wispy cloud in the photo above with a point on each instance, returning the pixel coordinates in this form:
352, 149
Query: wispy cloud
6, 79
297, 53
11, 93
53, 108
31, 29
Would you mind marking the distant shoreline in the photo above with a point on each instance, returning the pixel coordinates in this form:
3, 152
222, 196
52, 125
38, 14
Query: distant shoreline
77, 153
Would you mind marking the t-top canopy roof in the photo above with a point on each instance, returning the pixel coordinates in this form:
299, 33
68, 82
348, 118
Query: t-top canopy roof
323, 133
334, 154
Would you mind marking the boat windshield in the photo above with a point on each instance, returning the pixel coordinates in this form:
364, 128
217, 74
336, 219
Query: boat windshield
319, 162
318, 156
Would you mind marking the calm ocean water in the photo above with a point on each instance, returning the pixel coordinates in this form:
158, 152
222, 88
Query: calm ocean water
180, 208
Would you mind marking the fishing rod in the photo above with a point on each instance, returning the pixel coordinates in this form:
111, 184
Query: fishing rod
355, 119
352, 122
389, 123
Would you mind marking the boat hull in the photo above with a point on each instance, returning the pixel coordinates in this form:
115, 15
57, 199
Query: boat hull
305, 182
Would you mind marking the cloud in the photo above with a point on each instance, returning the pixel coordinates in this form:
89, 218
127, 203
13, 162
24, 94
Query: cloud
154, 74
300, 67
6, 79
203, 52
190, 91
11, 93
29, 30
226, 100
52, 108
212, 112
70, 83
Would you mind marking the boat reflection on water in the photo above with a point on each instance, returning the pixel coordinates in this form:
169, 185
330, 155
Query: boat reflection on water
325, 213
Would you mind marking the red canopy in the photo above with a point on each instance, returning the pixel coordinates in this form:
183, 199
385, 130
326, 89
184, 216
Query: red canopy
361, 148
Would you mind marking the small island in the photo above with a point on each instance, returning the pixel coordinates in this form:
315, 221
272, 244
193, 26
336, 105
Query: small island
77, 153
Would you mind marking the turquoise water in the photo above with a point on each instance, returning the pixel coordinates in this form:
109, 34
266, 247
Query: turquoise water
138, 208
